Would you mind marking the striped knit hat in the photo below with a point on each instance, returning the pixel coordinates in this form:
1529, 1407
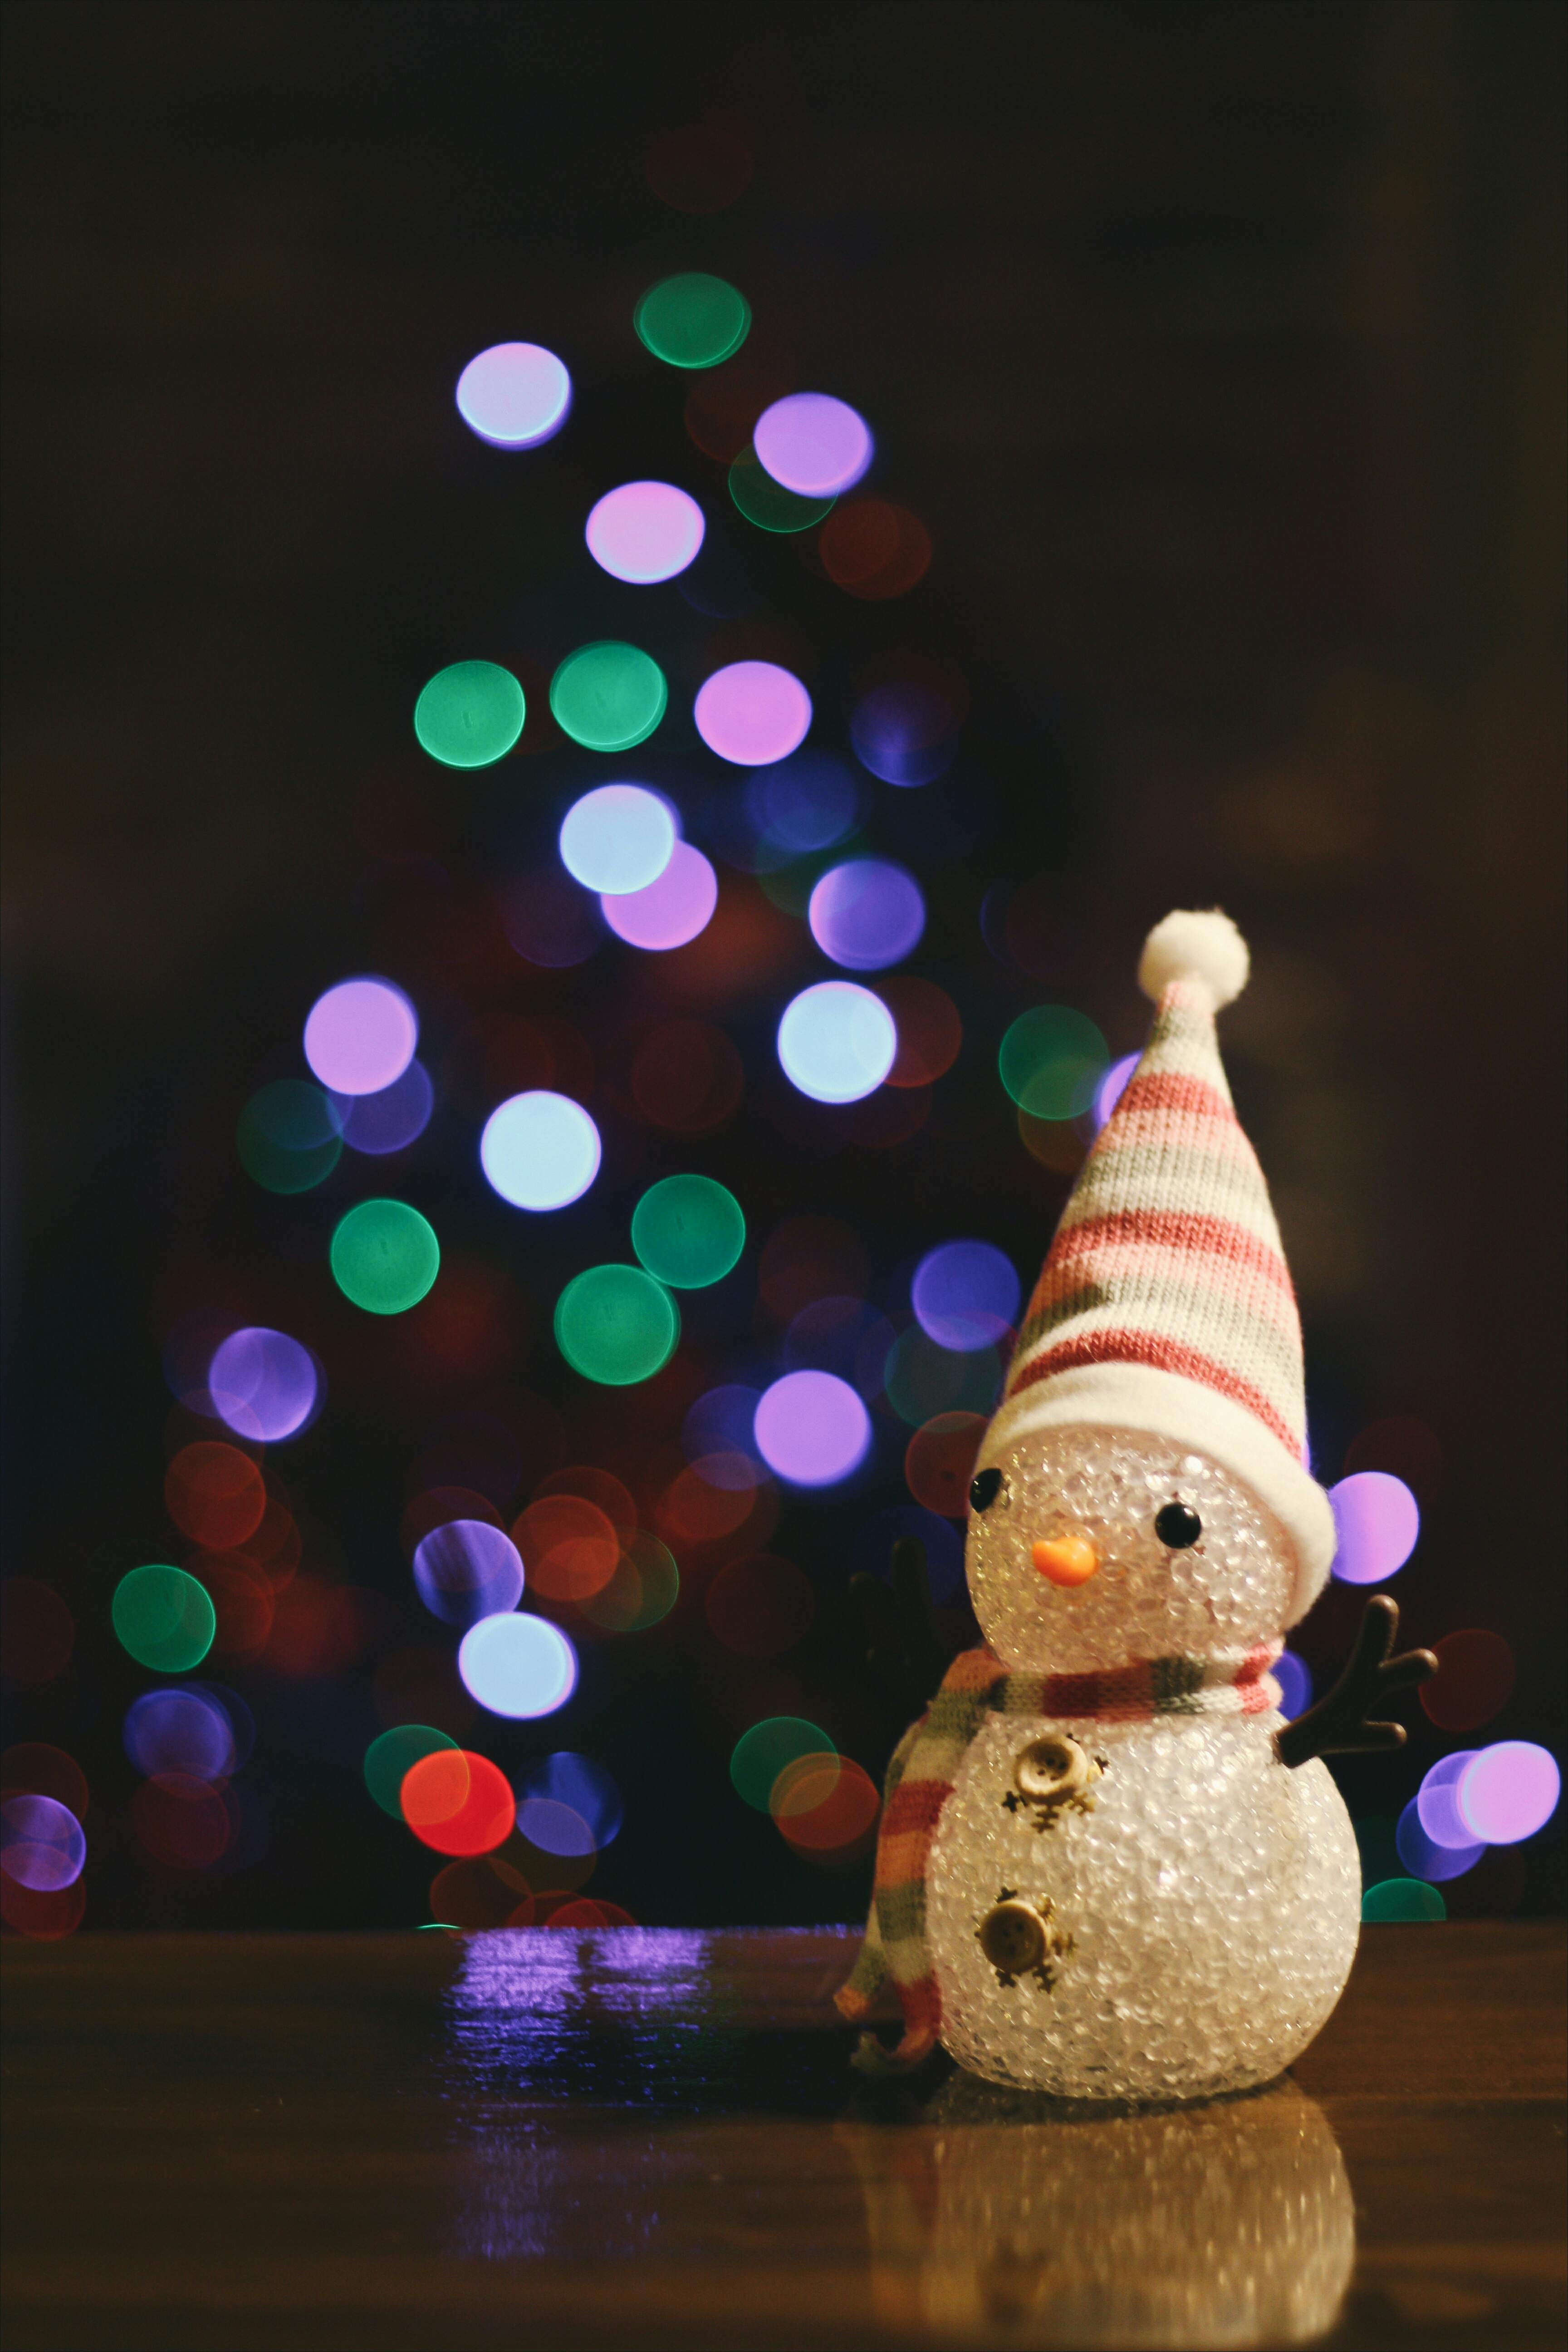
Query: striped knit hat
1165, 1303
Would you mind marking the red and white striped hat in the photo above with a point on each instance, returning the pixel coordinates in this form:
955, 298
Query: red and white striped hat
1164, 1303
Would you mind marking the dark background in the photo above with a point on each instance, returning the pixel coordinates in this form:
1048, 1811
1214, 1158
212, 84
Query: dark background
1220, 348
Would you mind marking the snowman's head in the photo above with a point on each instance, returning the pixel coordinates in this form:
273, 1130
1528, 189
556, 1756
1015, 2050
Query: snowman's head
1089, 1546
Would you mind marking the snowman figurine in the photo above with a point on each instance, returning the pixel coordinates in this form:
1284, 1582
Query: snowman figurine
1107, 1868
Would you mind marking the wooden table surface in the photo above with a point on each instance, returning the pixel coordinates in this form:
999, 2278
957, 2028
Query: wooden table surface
652, 2138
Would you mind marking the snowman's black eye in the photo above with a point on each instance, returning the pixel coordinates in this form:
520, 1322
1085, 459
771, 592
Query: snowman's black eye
984, 1489
1178, 1525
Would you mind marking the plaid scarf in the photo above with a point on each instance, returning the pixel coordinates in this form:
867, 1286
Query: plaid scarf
921, 1780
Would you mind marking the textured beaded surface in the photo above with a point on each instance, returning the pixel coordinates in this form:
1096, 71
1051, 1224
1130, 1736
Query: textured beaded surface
1225, 1592
1210, 1897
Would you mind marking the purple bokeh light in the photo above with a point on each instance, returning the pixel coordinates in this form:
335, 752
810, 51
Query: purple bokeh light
574, 1784
812, 1429
1111, 1089
813, 443
263, 1384
555, 1828
752, 712
1427, 1857
1294, 1677
671, 910
828, 1336
965, 1295
1377, 1522
42, 1843
392, 1120
942, 1542
466, 1569
1508, 1792
866, 914
549, 920
719, 1427
1438, 1800
805, 803
514, 395
905, 732
360, 1036
183, 1730
645, 531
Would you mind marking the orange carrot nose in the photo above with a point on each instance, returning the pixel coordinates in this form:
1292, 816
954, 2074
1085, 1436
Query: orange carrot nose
1065, 1560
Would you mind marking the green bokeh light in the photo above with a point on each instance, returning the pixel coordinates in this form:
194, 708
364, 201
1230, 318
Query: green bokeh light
693, 320
643, 1591
287, 1135
469, 714
689, 1230
385, 1257
165, 1618
767, 503
1407, 1900
920, 1378
609, 696
1051, 1061
616, 1325
762, 1753
386, 1760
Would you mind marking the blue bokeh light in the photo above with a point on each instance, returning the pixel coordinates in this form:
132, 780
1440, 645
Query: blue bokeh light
837, 1042
540, 1150
616, 838
517, 1664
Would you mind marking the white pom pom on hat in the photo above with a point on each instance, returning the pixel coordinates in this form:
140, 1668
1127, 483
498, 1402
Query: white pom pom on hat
1195, 947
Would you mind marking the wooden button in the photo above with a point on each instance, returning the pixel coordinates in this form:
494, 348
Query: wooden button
1012, 1937
1052, 1767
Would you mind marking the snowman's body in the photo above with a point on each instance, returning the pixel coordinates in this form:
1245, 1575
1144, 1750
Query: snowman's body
1207, 1900
1199, 1900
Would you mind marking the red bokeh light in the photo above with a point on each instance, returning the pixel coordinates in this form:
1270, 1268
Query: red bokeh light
184, 1824
569, 1546
216, 1494
874, 549
317, 1628
938, 1461
1475, 1680
459, 1802
930, 1031
34, 1768
46, 1915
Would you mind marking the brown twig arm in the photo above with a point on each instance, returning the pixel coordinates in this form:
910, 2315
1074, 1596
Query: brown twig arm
1339, 1723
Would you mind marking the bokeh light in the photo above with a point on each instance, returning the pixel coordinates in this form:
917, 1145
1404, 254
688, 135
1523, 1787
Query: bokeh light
938, 1538
1403, 1902
617, 838
752, 712
554, 1827
760, 1754
874, 549
393, 1117
289, 1136
1437, 1801
930, 1030
1051, 1061
1294, 1677
1111, 1089
812, 444
586, 1482
184, 1823
826, 1808
457, 1802
514, 395
905, 732
866, 913
215, 1494
812, 1429
578, 1783
760, 1606
689, 1230
184, 1729
37, 1632
360, 1036
469, 714
42, 1844
920, 1378
1474, 1681
669, 911
481, 1891
549, 920
687, 1076
389, 1759
837, 1042
938, 1461
163, 1618
385, 1257
803, 804
616, 1325
609, 696
46, 1917
570, 1547
1423, 1857
1508, 1792
1376, 1523
518, 1665
642, 1590
965, 1295
264, 1386
466, 1569
540, 1150
34, 1768
645, 531
693, 320
719, 1424
766, 503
